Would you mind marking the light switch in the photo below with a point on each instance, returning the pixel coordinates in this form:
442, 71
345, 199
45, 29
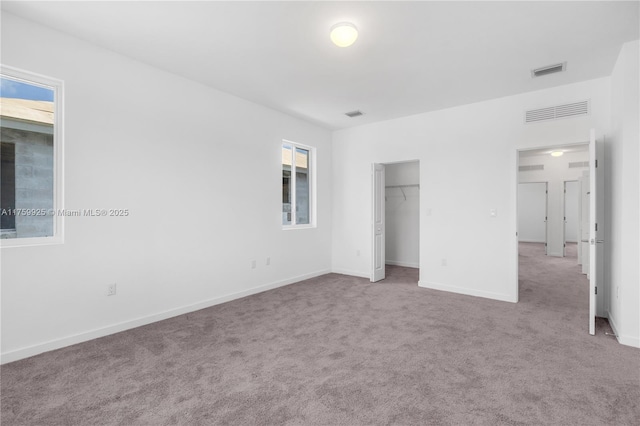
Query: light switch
493, 212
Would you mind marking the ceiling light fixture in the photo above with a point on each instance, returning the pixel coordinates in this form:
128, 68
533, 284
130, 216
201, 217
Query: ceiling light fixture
556, 153
352, 114
344, 34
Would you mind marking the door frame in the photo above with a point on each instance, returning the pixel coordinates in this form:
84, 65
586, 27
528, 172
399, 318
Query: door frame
598, 300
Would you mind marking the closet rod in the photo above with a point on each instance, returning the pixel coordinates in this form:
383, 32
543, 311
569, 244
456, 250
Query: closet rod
403, 186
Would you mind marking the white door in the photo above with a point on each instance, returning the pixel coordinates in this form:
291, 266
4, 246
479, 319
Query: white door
594, 232
571, 204
579, 234
378, 255
584, 228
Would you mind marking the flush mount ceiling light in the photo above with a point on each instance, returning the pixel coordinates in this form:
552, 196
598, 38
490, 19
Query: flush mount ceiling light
352, 114
556, 153
344, 34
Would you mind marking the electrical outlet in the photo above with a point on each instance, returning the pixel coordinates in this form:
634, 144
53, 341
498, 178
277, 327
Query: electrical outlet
358, 253
444, 262
268, 261
253, 264
111, 289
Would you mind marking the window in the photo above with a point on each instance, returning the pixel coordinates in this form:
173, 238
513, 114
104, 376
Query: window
297, 186
30, 159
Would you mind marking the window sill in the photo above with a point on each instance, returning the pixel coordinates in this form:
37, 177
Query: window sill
30, 242
294, 227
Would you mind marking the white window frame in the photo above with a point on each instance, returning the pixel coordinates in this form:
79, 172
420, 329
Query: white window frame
58, 156
312, 185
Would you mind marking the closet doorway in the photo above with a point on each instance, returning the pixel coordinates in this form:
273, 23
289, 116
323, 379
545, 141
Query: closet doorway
396, 218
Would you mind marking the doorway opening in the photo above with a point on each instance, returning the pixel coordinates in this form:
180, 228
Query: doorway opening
396, 221
549, 201
556, 269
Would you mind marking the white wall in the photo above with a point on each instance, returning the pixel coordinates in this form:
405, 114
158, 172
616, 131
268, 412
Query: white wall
623, 195
571, 206
468, 162
199, 171
556, 172
532, 212
402, 209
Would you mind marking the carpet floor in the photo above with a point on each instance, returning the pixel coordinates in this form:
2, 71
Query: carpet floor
338, 350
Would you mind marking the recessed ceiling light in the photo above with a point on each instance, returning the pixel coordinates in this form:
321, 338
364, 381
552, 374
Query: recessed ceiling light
344, 34
352, 114
556, 153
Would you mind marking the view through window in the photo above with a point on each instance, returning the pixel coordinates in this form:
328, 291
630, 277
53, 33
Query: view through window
26, 159
296, 184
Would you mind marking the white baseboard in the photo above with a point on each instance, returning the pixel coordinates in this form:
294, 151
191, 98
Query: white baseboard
525, 240
351, 273
623, 340
26, 352
401, 263
468, 291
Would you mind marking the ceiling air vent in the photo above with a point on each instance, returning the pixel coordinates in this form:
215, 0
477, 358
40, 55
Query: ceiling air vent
530, 168
352, 114
556, 112
549, 69
577, 164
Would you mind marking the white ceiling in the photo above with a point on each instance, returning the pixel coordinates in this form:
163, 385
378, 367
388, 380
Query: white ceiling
410, 57
584, 148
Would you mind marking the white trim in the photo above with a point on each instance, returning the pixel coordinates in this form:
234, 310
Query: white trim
58, 155
623, 340
350, 273
468, 291
531, 241
401, 263
292, 227
21, 353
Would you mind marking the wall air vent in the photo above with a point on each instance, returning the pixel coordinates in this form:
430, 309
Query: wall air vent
549, 69
352, 114
577, 164
556, 112
531, 168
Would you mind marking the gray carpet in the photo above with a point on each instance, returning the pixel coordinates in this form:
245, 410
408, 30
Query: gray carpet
337, 350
